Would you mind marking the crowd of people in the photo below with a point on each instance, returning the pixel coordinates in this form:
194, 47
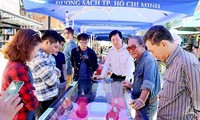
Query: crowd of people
49, 64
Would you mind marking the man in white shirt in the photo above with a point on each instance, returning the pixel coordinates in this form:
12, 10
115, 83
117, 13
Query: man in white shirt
118, 60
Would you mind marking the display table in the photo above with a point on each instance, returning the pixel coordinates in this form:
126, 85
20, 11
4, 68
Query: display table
106, 102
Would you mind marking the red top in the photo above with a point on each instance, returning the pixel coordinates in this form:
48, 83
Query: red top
19, 72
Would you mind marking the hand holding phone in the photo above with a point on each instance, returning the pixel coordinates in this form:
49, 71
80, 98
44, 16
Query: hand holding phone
13, 88
9, 108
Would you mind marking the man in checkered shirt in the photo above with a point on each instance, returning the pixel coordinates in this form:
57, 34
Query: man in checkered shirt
45, 74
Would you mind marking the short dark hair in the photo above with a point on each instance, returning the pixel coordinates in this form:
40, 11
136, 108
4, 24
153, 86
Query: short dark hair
114, 32
21, 45
158, 33
70, 30
49, 34
62, 39
82, 36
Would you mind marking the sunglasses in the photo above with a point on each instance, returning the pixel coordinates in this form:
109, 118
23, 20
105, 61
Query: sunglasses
36, 33
83, 42
132, 47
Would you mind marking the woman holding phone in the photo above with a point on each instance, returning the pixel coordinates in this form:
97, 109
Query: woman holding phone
9, 108
19, 51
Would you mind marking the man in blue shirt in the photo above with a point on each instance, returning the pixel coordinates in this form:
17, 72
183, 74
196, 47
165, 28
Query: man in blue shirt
146, 85
84, 62
68, 35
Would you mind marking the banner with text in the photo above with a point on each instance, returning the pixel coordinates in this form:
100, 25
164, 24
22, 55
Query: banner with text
178, 6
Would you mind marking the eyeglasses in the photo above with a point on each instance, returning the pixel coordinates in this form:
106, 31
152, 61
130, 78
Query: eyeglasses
36, 33
66, 33
83, 42
132, 47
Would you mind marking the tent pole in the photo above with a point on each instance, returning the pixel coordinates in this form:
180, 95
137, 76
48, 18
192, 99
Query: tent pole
49, 22
67, 19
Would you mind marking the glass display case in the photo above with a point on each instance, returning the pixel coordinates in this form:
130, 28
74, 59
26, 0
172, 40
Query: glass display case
106, 102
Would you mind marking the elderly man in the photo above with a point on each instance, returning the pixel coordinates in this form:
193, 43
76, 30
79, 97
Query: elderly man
146, 85
179, 98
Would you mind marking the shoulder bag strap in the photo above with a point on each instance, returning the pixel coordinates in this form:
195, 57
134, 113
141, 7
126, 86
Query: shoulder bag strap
87, 63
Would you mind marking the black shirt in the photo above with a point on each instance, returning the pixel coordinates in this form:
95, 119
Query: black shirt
60, 60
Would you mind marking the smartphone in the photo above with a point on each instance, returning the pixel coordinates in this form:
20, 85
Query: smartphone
13, 88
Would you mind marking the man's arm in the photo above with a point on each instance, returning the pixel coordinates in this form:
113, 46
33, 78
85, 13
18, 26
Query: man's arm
72, 59
149, 77
192, 71
150, 74
72, 46
63, 64
106, 66
65, 53
45, 71
140, 102
64, 70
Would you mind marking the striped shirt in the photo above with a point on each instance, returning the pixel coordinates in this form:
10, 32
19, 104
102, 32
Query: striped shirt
45, 78
56, 70
180, 95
